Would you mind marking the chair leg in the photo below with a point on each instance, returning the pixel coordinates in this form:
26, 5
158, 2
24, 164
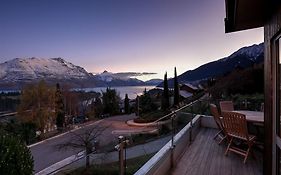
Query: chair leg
253, 155
246, 156
229, 144
217, 134
223, 138
249, 150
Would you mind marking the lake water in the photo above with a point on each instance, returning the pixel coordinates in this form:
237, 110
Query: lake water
132, 91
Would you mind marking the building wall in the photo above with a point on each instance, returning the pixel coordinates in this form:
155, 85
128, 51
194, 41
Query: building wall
272, 28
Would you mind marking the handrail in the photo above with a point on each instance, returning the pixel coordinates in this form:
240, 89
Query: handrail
166, 152
173, 112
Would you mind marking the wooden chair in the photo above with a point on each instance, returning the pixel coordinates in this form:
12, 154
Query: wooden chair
217, 117
226, 106
235, 126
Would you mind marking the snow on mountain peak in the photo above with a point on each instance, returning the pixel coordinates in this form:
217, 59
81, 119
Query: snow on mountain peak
251, 51
35, 68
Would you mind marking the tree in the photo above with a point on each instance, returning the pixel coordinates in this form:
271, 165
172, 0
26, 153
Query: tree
37, 105
165, 95
146, 103
127, 104
86, 140
59, 108
71, 100
110, 101
137, 106
24, 131
176, 89
15, 157
96, 108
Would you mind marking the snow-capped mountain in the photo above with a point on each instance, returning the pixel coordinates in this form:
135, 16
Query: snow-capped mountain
109, 76
242, 58
253, 52
124, 76
26, 69
18, 72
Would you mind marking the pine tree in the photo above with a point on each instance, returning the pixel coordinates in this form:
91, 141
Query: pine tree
126, 104
146, 103
176, 89
165, 95
59, 108
110, 100
137, 106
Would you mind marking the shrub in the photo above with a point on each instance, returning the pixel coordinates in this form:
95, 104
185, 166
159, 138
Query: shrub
15, 157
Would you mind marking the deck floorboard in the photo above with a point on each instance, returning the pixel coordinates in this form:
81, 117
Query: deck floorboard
205, 157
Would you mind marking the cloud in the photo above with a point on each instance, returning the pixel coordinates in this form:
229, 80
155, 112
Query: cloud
125, 75
133, 74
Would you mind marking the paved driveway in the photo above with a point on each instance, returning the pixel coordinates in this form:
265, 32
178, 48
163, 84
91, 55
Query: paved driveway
46, 153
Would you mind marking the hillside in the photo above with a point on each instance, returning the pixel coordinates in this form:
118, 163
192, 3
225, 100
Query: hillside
240, 81
243, 58
16, 73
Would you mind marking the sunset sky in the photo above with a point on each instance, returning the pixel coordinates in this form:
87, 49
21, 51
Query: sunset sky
120, 35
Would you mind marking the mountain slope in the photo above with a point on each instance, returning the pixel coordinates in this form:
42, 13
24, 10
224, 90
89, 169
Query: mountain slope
243, 58
18, 72
20, 69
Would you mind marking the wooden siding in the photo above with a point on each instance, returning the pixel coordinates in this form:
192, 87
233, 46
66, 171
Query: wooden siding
272, 28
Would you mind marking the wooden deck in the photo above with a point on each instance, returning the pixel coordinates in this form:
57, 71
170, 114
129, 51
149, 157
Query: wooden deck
205, 157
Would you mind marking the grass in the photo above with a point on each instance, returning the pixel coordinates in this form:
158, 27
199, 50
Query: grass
113, 168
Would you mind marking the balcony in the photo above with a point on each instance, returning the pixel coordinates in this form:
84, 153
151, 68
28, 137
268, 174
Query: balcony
195, 152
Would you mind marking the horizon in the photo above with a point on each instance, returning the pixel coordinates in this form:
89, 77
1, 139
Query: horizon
143, 76
121, 36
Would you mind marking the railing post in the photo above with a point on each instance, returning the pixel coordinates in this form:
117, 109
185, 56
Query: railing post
191, 124
121, 155
173, 135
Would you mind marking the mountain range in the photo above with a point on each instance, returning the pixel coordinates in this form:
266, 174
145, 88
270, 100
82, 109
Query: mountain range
242, 58
16, 73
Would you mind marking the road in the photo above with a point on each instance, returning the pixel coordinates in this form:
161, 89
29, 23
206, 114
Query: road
46, 153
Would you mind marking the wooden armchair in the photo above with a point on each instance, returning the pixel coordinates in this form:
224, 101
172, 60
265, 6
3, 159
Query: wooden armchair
235, 126
221, 134
226, 106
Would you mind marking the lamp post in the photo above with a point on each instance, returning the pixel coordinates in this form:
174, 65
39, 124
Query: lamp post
121, 155
122, 143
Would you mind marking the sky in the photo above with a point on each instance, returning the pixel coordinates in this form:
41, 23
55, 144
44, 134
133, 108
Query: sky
120, 35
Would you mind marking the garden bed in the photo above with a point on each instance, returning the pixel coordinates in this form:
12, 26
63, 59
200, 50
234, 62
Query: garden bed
151, 117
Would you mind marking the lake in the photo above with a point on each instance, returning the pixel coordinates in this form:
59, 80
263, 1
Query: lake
132, 91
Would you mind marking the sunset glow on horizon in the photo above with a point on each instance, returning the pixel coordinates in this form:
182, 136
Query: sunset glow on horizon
121, 36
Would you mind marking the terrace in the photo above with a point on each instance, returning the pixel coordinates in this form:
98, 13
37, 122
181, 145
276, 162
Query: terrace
194, 151
205, 156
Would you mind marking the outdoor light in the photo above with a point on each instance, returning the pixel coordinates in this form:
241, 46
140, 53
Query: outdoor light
117, 147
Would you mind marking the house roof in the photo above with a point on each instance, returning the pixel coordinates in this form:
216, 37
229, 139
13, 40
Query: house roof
185, 94
190, 86
245, 14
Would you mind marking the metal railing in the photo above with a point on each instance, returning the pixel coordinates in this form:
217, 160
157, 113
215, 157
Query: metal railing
172, 118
